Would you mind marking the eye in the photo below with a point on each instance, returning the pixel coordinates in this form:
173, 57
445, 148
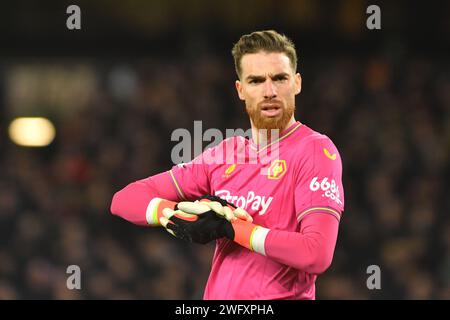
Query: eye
255, 81
280, 78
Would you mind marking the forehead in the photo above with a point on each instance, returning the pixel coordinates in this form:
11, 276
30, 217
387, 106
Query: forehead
263, 63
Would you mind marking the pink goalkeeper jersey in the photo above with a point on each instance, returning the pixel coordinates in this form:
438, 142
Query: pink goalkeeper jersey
296, 176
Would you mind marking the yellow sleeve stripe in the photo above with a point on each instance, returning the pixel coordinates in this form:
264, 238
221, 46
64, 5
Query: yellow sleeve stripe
177, 186
251, 238
319, 209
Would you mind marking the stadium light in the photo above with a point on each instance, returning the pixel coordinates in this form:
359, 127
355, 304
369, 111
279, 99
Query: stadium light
32, 131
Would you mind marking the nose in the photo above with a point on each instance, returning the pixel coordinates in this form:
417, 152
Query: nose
269, 90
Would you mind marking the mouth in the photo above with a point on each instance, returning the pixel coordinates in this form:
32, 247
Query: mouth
271, 110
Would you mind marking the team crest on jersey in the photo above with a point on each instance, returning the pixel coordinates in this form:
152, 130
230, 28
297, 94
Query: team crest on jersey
229, 171
277, 169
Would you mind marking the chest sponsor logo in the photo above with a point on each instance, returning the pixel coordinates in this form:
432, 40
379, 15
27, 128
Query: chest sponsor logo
252, 201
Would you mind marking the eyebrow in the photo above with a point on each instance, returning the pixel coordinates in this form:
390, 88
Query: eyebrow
256, 77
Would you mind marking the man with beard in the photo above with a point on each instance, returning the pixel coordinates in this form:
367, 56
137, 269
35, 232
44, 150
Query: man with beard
273, 202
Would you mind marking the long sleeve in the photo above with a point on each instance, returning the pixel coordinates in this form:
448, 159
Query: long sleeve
311, 249
131, 203
142, 201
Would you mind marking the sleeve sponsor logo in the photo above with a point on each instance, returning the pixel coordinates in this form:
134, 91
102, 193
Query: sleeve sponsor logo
329, 188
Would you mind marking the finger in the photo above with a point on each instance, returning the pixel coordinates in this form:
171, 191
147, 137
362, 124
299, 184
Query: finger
178, 232
168, 225
164, 221
216, 207
228, 213
186, 216
192, 207
242, 214
168, 213
171, 232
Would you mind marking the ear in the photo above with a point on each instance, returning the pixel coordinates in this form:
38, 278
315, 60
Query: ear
298, 83
239, 89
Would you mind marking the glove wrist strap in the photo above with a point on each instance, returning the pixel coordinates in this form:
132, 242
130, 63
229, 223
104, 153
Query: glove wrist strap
250, 235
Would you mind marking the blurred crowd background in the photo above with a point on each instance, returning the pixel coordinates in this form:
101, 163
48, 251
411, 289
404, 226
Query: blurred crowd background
138, 70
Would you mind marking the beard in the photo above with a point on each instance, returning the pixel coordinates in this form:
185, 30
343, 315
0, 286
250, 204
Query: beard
270, 123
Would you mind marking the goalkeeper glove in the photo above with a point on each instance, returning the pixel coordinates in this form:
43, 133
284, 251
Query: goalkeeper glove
216, 218
156, 208
188, 225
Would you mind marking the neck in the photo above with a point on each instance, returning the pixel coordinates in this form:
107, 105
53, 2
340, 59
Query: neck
263, 137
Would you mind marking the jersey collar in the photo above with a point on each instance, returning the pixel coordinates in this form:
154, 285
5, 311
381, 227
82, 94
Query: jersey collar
284, 134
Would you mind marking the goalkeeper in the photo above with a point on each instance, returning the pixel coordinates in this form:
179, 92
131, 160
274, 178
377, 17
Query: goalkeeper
275, 220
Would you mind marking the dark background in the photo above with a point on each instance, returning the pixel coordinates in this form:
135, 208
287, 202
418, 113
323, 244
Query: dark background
137, 70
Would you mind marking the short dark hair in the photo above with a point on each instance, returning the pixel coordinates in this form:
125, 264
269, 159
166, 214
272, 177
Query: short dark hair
266, 41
